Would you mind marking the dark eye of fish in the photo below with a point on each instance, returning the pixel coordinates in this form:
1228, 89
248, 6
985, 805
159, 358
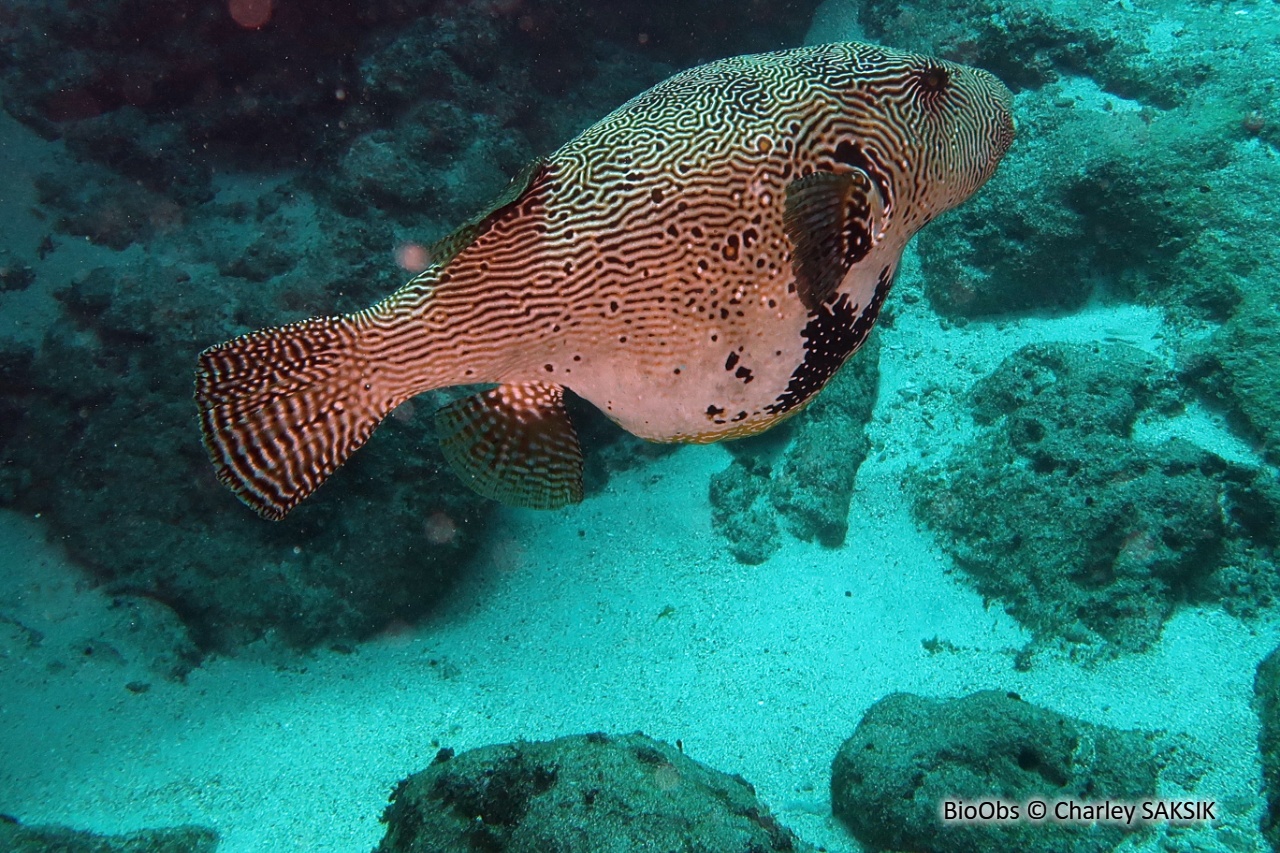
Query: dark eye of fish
934, 79
697, 265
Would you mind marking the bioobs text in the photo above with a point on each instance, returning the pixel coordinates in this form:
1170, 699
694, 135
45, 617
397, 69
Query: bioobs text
1082, 812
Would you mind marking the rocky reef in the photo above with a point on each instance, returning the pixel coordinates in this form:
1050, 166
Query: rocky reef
1266, 696
1083, 532
1146, 137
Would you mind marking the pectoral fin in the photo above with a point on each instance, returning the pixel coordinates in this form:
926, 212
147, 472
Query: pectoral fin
516, 444
830, 219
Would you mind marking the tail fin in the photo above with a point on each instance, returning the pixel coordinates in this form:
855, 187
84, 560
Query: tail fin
281, 409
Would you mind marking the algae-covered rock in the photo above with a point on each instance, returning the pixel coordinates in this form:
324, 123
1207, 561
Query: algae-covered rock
1081, 532
16, 837
1244, 352
1135, 158
1014, 247
16, 272
801, 473
741, 512
813, 483
164, 89
579, 794
1266, 694
909, 753
107, 209
1096, 190
148, 633
15, 402
154, 155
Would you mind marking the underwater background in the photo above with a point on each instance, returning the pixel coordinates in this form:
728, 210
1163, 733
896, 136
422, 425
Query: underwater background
1024, 545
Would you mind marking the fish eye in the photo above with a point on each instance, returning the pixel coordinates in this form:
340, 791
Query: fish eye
933, 79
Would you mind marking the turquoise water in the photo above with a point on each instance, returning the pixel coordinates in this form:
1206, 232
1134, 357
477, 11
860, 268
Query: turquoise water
1050, 473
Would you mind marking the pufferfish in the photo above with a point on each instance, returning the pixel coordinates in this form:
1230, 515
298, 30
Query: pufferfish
697, 265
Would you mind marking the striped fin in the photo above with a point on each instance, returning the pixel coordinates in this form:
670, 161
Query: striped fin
829, 219
281, 409
515, 443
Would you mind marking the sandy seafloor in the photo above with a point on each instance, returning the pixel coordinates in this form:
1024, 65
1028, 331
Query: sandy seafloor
623, 613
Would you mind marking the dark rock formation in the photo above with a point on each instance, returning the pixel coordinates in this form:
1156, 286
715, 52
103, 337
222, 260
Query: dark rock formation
578, 794
1266, 694
741, 511
299, 81
1240, 367
15, 273
909, 753
18, 838
802, 472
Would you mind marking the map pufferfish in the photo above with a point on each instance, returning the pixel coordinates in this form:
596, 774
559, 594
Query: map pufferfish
697, 265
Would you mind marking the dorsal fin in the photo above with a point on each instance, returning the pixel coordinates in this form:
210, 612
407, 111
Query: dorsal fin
514, 443
444, 249
830, 219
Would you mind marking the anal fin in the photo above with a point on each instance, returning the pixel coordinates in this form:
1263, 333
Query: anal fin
516, 444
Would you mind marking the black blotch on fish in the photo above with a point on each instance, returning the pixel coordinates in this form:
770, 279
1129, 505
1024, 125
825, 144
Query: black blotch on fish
834, 331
